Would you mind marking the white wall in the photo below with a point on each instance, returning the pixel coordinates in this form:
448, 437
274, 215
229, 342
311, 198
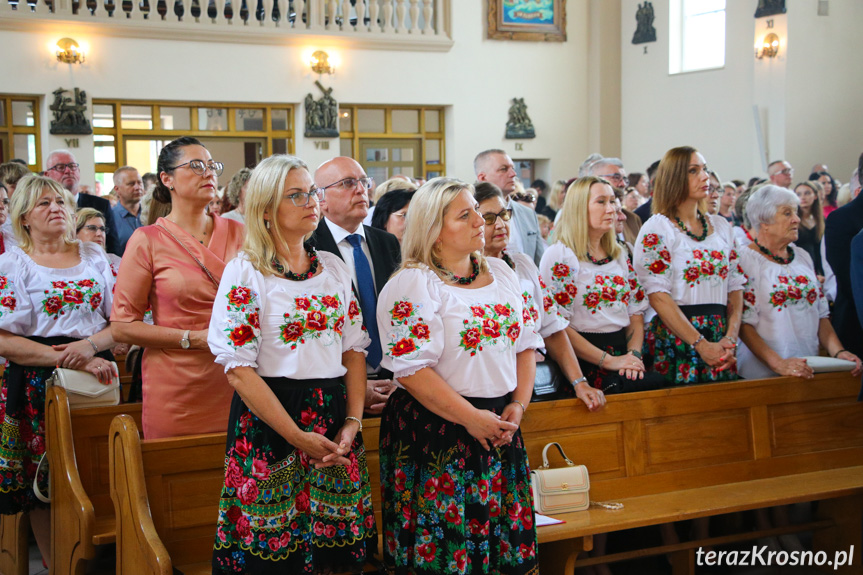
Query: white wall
476, 79
807, 98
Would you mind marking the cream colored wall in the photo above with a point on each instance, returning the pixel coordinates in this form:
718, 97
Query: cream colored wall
475, 80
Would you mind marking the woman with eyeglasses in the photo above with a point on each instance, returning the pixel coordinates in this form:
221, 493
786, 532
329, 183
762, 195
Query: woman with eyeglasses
90, 227
391, 212
174, 267
686, 261
538, 305
288, 330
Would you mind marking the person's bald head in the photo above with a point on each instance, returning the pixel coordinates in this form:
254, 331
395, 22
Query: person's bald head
345, 205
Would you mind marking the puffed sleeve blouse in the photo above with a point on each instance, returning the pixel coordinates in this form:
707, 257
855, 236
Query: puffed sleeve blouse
285, 328
470, 337
691, 272
533, 294
593, 298
46, 302
785, 305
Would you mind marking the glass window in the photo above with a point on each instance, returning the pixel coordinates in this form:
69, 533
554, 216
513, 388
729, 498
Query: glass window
104, 151
2, 113
371, 121
376, 154
175, 118
406, 121
25, 148
103, 116
280, 146
404, 170
432, 151
22, 114
696, 35
279, 120
136, 117
346, 120
213, 119
249, 120
379, 173
432, 120
346, 148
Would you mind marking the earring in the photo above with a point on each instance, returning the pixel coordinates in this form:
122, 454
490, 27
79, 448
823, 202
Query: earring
172, 188
267, 224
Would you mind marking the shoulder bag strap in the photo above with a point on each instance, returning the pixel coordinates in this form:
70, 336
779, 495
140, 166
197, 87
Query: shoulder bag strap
199, 262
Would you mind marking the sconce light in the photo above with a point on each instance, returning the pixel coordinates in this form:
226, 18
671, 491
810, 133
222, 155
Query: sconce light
320, 63
69, 52
770, 47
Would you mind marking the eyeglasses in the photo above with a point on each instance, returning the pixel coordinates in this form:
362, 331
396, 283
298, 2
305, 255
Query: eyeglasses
351, 183
616, 177
63, 168
301, 199
786, 171
490, 218
199, 167
529, 198
95, 229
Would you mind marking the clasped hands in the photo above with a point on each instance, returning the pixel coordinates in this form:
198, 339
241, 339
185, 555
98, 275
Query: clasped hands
722, 355
324, 452
80, 355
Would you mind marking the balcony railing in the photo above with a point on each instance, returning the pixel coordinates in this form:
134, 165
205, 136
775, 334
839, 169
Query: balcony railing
388, 24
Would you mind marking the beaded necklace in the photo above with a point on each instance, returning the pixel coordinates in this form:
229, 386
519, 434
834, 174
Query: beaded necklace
701, 218
777, 259
313, 266
469, 279
601, 262
507, 260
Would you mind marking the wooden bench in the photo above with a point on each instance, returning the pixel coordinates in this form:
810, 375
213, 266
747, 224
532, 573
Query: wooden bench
82, 514
667, 455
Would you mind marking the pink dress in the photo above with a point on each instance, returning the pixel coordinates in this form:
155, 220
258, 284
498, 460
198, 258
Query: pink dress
184, 391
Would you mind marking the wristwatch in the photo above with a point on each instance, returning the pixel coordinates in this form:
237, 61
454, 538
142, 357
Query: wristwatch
579, 380
186, 343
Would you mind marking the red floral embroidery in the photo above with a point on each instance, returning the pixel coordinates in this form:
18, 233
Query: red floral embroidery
353, 310
53, 305
470, 339
8, 302
302, 303
547, 303
316, 320
562, 298
242, 335
657, 267
402, 310
253, 320
560, 270
421, 331
402, 347
591, 300
650, 240
340, 323
477, 311
490, 328
73, 296
513, 331
240, 296
95, 300
502, 310
292, 332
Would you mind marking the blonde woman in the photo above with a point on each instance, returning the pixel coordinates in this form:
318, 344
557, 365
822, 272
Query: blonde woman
288, 331
454, 473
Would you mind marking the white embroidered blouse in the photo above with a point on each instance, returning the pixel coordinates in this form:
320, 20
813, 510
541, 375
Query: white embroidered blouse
692, 272
39, 301
285, 328
470, 337
593, 298
537, 305
785, 304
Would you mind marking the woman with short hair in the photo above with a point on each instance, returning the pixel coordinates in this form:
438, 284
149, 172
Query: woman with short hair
90, 227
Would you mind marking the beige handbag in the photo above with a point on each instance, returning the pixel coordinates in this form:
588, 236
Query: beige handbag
84, 389
560, 490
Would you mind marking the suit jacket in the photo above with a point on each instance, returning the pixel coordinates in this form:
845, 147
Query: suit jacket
645, 210
528, 228
842, 226
857, 282
104, 206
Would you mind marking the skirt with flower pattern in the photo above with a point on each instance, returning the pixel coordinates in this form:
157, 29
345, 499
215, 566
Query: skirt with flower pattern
450, 506
277, 513
678, 361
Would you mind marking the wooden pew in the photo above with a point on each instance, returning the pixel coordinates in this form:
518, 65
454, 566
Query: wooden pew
82, 514
14, 531
667, 455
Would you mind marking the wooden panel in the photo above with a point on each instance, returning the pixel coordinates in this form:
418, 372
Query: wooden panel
802, 427
697, 440
191, 496
581, 446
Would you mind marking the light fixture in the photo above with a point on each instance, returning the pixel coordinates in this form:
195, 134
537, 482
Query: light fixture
69, 52
769, 48
320, 63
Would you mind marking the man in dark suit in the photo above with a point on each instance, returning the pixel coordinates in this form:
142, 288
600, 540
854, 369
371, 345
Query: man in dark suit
857, 281
64, 169
372, 255
839, 232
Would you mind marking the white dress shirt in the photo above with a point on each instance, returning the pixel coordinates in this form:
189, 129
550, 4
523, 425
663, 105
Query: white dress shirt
347, 250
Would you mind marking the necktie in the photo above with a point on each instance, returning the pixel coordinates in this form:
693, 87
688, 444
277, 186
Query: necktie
368, 298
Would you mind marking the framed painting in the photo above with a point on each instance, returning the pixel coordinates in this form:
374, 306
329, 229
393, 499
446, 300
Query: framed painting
529, 20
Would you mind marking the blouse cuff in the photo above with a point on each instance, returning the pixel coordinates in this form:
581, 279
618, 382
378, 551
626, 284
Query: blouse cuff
231, 363
413, 369
652, 290
359, 349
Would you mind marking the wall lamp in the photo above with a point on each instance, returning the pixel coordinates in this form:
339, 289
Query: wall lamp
769, 48
320, 63
69, 52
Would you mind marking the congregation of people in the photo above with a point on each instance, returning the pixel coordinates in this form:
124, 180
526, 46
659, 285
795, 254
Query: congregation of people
296, 302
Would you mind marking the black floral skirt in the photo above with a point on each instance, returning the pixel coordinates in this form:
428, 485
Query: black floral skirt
277, 513
678, 361
450, 506
611, 382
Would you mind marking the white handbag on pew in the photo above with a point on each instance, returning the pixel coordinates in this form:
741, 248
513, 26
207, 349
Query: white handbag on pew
84, 389
560, 490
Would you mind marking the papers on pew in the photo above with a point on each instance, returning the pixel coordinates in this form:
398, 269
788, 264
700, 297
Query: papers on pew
546, 520
827, 364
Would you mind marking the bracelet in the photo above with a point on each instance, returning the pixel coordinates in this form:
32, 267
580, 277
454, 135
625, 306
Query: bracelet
523, 409
697, 341
95, 347
838, 352
733, 341
352, 418
601, 359
579, 380
635, 352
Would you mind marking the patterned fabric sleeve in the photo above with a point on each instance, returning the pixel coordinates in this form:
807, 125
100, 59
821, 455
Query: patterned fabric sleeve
96, 256
527, 336
736, 277
559, 270
638, 302
749, 269
653, 257
15, 306
353, 333
547, 318
235, 329
821, 303
411, 330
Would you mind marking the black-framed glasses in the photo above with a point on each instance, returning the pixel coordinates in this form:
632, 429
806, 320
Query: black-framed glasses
301, 199
94, 229
199, 167
63, 167
351, 183
490, 218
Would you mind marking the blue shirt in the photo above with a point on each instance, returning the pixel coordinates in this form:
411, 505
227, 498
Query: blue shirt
126, 223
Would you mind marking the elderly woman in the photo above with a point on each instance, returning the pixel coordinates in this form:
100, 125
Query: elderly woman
591, 279
235, 194
391, 212
55, 297
287, 329
90, 227
785, 315
174, 267
538, 305
686, 261
454, 474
